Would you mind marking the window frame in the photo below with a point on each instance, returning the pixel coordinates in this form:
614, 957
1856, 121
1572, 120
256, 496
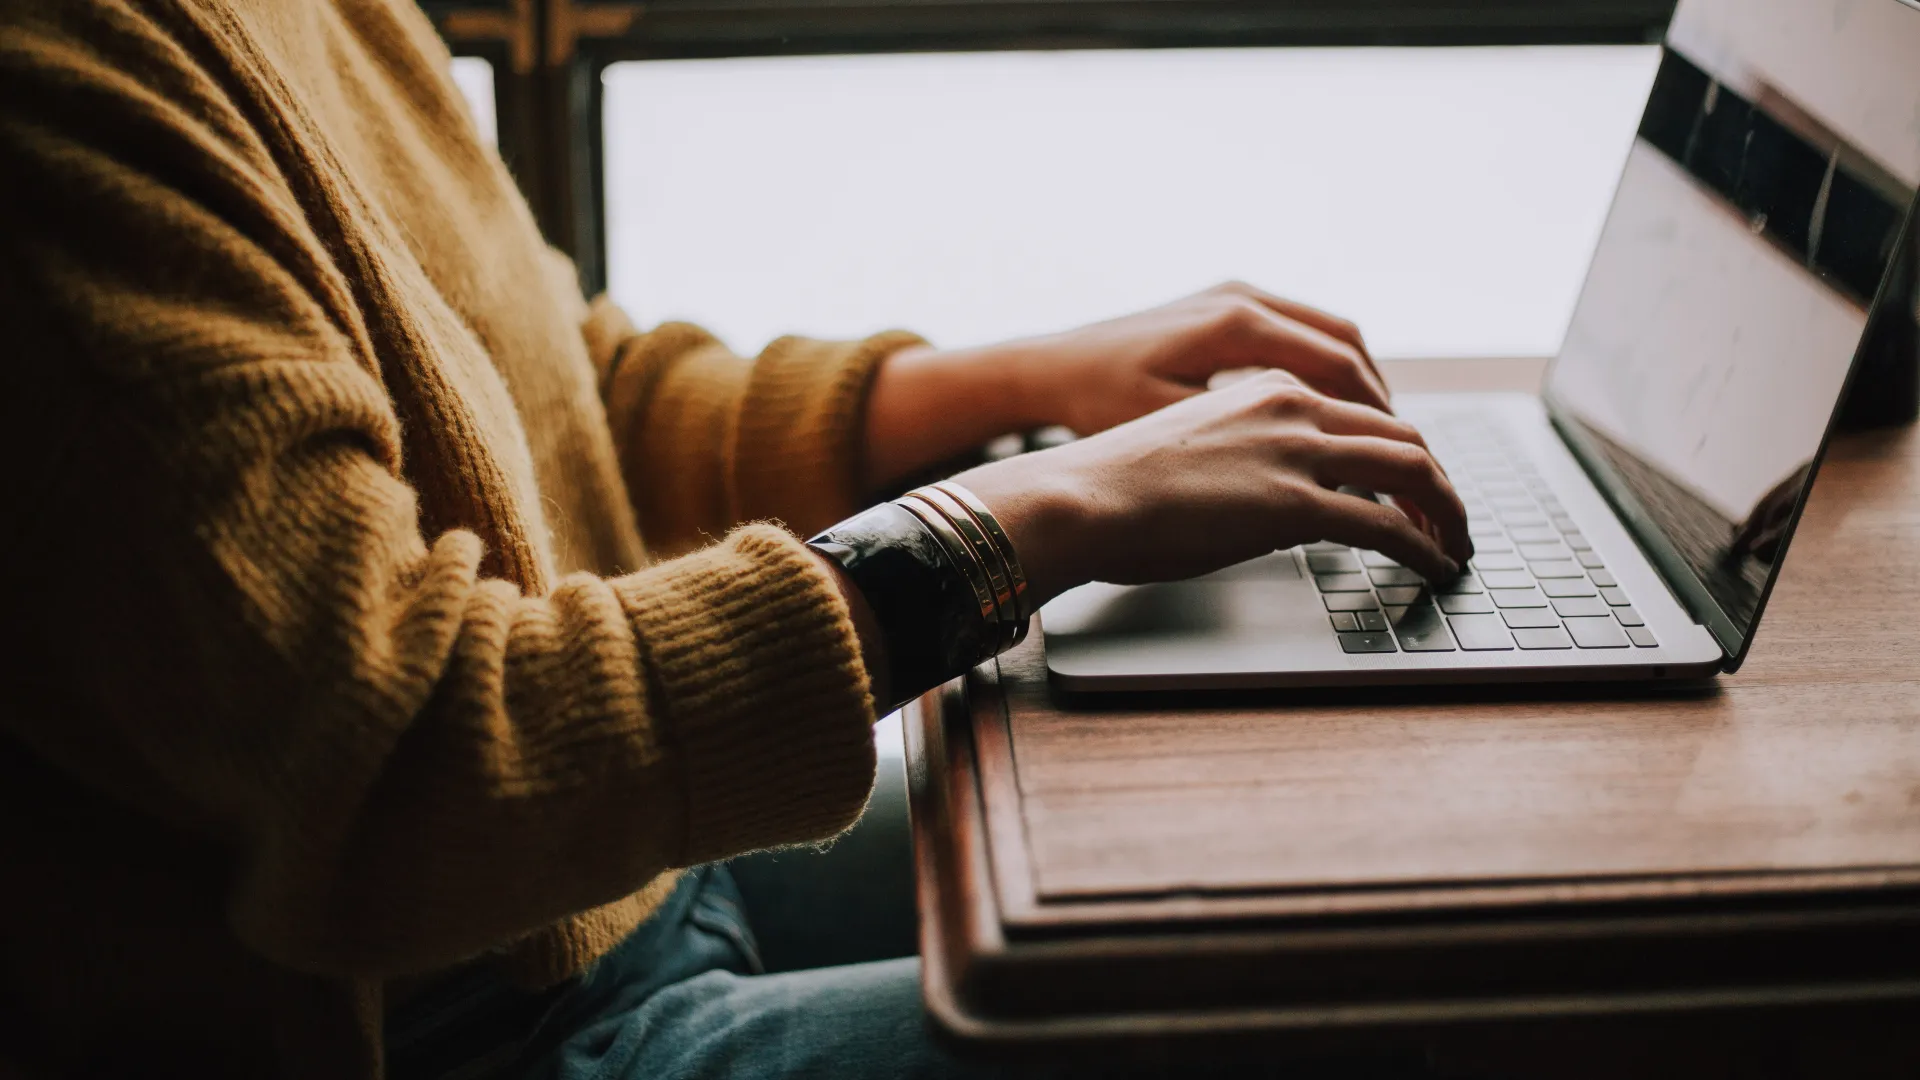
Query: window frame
548, 55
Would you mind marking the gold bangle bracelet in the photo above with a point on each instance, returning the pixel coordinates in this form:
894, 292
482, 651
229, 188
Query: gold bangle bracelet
1016, 575
984, 550
965, 559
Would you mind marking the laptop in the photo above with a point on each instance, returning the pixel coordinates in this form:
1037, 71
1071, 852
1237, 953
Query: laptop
1630, 521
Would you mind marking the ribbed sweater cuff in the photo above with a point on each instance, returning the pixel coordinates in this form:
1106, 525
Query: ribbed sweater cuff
802, 424
752, 657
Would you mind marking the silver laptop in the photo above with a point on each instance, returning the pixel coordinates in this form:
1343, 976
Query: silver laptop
1630, 521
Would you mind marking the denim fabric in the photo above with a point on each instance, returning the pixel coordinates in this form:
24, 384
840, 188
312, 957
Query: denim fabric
688, 997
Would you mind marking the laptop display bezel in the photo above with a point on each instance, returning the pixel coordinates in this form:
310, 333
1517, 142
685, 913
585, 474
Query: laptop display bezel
1653, 540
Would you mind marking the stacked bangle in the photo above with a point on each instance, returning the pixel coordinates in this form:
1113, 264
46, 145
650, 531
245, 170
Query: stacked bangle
942, 579
984, 550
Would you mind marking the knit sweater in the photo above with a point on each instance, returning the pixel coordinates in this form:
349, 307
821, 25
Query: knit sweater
338, 658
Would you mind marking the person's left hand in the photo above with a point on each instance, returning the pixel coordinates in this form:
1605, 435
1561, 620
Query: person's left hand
927, 404
1109, 373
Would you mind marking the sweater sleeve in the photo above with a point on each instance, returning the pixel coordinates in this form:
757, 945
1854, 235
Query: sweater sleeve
239, 625
708, 439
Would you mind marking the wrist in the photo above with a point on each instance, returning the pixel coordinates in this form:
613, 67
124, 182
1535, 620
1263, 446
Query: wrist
1045, 516
1020, 382
928, 406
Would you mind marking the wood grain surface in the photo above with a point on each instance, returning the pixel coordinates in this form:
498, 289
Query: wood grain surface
1126, 872
1808, 760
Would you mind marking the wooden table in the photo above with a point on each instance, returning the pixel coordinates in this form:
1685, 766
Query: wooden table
1316, 868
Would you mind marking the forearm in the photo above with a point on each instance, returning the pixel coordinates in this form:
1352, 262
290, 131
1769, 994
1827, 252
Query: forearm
927, 406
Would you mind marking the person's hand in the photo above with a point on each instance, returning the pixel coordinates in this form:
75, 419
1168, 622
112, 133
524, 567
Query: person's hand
1223, 477
1106, 374
929, 405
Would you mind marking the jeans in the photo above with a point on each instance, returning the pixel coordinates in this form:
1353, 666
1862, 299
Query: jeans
795, 964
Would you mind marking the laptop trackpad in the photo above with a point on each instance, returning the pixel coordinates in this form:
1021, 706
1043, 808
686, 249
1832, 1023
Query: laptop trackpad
1264, 599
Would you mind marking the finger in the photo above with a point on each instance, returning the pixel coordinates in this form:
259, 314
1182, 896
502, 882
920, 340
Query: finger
1331, 325
1362, 523
1336, 417
1345, 418
1328, 365
1406, 472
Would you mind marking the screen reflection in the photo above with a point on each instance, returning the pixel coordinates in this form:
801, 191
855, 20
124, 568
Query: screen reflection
1763, 201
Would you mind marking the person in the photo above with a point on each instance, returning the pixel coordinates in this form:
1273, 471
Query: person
402, 641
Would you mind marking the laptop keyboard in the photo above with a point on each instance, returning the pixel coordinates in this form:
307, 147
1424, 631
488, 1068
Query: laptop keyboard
1535, 583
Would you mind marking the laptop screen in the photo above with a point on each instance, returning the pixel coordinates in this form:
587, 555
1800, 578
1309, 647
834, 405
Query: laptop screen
1764, 201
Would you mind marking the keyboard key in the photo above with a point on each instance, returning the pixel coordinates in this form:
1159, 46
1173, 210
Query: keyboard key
1642, 637
1544, 638
1372, 621
1371, 559
1331, 562
1616, 597
1517, 518
1506, 579
1483, 561
1367, 643
1484, 544
1393, 595
1580, 606
1602, 578
1353, 582
1421, 629
1592, 560
1465, 605
1534, 534
1482, 527
1344, 621
1555, 550
1350, 601
1628, 617
1597, 633
1564, 523
1395, 575
1577, 542
1567, 587
1530, 618
1481, 633
1518, 598
1396, 612
1557, 568
1465, 583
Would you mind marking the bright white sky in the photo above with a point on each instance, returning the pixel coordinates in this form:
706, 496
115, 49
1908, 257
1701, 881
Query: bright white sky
1447, 199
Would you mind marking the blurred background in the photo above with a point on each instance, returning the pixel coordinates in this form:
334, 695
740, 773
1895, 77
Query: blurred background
973, 171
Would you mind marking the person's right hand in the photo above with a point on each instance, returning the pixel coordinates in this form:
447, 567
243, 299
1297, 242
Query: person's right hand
1220, 478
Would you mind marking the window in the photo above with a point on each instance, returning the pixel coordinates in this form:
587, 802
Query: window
547, 56
1446, 199
474, 76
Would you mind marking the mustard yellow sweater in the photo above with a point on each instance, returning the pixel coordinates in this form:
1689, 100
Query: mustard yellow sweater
336, 655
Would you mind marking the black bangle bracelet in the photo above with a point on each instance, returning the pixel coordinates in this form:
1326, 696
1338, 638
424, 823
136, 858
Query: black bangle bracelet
929, 617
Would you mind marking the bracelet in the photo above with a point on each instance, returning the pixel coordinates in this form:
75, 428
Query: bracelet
1003, 547
927, 610
959, 554
988, 553
979, 552
942, 579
